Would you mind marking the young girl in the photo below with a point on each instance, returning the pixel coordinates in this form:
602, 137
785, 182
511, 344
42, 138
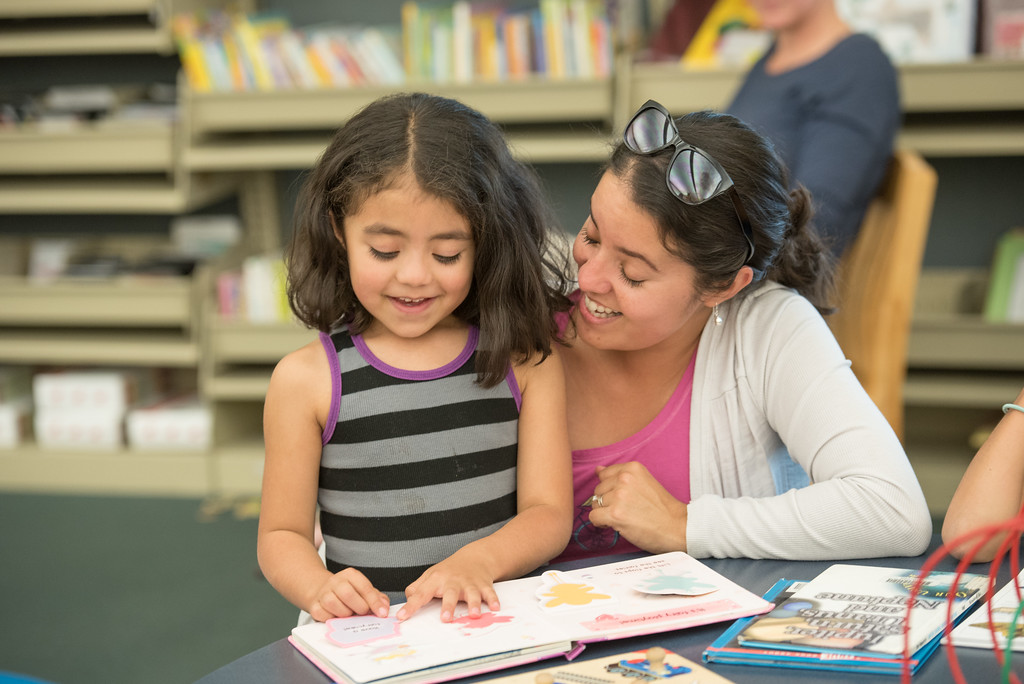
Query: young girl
428, 419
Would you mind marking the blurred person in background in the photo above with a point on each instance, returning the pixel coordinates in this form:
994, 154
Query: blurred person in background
828, 99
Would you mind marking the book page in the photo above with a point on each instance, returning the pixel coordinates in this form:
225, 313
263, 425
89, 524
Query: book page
646, 595
978, 628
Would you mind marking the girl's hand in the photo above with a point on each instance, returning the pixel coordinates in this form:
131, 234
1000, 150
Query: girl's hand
635, 504
463, 576
348, 593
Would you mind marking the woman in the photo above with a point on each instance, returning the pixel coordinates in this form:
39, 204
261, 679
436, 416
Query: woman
828, 99
696, 354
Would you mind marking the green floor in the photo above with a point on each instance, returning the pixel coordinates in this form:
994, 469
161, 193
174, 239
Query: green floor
111, 590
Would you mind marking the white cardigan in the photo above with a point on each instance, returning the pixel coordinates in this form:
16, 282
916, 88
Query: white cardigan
772, 376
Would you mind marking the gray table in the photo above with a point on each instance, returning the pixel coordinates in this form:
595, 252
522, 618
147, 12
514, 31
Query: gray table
280, 662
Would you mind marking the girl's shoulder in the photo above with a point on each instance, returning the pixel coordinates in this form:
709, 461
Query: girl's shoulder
540, 368
303, 365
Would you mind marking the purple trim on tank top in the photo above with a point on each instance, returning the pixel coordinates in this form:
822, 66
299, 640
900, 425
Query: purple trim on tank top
432, 374
332, 415
369, 357
513, 386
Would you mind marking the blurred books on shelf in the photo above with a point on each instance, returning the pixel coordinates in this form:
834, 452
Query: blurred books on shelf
468, 41
1002, 28
74, 107
1005, 299
255, 292
205, 235
461, 41
262, 51
729, 36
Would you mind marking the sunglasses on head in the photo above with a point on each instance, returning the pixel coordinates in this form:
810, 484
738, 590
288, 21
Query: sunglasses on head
693, 176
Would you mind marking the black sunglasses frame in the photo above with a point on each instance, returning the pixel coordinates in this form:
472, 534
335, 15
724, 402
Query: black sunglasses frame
725, 186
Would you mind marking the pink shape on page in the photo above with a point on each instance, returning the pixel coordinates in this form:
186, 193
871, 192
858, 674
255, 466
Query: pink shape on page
607, 621
485, 620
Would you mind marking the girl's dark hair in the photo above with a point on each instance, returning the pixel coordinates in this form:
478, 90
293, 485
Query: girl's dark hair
457, 155
708, 236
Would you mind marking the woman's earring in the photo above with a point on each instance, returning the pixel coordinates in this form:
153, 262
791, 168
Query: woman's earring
718, 317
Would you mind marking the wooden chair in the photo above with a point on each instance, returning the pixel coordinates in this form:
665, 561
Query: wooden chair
878, 278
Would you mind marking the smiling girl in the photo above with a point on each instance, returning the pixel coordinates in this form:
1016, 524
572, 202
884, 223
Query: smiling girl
427, 422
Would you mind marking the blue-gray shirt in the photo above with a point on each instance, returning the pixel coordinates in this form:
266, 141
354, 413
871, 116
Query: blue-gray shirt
833, 121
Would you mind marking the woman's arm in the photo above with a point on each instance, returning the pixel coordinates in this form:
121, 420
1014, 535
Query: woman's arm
293, 418
792, 380
992, 488
542, 526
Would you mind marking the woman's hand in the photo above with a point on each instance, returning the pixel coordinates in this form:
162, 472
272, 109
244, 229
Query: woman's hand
463, 576
635, 504
348, 593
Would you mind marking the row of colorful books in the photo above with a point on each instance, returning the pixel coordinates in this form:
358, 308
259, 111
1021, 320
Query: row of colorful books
262, 51
254, 292
462, 41
467, 41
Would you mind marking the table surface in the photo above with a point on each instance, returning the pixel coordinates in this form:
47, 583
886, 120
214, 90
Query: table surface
281, 662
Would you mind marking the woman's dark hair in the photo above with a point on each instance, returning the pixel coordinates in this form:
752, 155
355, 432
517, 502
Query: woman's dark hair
708, 236
457, 155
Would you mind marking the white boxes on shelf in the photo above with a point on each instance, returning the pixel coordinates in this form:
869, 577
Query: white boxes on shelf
79, 428
110, 390
86, 408
179, 423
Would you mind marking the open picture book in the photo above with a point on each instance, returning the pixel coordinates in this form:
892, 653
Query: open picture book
848, 618
989, 626
554, 614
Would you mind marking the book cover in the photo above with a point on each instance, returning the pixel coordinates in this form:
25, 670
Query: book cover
727, 648
990, 624
554, 614
724, 17
851, 610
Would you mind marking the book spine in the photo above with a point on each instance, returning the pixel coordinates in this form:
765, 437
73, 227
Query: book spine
462, 42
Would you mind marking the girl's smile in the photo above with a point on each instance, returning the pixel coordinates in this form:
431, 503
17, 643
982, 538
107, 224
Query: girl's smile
410, 257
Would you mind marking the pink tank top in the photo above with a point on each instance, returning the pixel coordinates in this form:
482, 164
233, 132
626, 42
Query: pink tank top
663, 446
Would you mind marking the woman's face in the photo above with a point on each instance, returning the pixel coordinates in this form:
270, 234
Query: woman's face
780, 15
634, 293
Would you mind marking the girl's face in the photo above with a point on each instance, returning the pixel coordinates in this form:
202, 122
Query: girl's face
635, 294
410, 257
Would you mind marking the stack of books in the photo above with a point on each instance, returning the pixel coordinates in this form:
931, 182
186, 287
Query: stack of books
851, 618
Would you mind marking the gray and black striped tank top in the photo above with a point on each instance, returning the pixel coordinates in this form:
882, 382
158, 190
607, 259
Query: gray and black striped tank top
415, 464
